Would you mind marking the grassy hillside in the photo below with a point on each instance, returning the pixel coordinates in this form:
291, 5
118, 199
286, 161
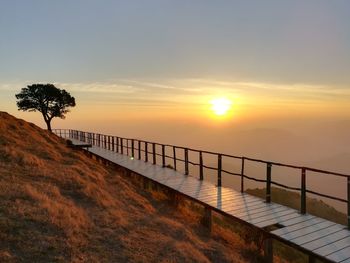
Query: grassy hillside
291, 199
57, 205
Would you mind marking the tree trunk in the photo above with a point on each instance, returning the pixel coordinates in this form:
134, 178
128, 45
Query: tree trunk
48, 123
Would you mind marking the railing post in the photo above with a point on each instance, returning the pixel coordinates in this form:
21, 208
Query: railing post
242, 175
121, 146
105, 141
303, 192
174, 155
146, 151
113, 143
117, 145
219, 169
154, 153
163, 155
132, 148
200, 165
109, 143
127, 147
268, 182
348, 202
186, 161
139, 149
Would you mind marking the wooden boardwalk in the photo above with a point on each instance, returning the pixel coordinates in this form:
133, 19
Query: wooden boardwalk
318, 237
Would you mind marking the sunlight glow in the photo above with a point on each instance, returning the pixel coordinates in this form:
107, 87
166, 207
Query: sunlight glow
220, 106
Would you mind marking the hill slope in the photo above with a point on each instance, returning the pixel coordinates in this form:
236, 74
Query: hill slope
57, 205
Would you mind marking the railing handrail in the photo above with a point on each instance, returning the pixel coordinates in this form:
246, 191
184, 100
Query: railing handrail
311, 169
115, 143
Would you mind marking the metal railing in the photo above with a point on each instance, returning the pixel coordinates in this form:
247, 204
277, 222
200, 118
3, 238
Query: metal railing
142, 150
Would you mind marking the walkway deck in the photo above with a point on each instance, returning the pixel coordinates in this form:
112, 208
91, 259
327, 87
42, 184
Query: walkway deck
323, 238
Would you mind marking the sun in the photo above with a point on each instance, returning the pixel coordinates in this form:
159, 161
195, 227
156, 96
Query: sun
221, 106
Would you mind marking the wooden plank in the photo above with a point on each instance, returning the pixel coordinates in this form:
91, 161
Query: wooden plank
219, 192
228, 201
246, 198
179, 184
205, 196
213, 195
202, 191
167, 180
210, 195
301, 218
186, 182
268, 209
297, 225
200, 187
270, 216
219, 203
164, 178
254, 206
346, 261
260, 212
243, 205
326, 240
199, 192
333, 247
340, 255
236, 203
307, 230
175, 181
317, 235
280, 220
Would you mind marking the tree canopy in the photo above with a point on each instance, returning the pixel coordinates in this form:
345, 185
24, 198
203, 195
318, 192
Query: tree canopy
47, 99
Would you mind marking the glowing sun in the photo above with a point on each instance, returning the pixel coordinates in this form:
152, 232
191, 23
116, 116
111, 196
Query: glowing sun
220, 106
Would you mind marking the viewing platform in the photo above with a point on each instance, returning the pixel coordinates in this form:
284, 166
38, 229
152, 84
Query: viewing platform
317, 237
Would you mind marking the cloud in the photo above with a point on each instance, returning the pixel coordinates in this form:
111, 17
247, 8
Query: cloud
192, 91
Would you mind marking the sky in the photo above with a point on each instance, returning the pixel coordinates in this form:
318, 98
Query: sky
129, 64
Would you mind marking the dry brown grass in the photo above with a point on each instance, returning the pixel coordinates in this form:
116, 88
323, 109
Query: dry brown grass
58, 205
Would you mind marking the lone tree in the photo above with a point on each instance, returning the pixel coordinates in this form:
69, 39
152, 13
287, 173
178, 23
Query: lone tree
47, 99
